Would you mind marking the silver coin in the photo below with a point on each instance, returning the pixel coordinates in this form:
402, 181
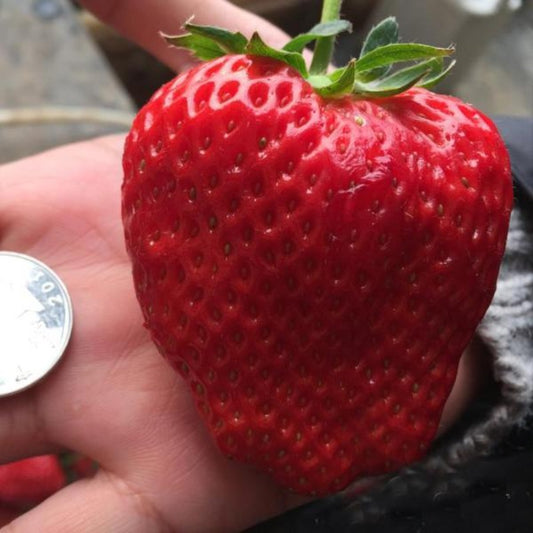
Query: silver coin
35, 321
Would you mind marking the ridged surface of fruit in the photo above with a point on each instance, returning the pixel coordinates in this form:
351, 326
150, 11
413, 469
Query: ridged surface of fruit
313, 269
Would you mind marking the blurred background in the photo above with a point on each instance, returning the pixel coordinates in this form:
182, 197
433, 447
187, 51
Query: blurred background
65, 77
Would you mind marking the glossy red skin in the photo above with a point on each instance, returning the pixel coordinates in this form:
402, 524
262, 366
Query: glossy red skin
30, 481
320, 316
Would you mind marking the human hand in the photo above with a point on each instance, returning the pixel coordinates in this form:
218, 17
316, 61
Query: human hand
142, 22
113, 398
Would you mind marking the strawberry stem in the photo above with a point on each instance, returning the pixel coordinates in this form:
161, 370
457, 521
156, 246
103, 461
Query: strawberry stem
324, 45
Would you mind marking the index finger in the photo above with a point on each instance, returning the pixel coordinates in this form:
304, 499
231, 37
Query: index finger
142, 20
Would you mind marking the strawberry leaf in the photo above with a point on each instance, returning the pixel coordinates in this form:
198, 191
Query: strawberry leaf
258, 47
398, 52
326, 29
231, 42
202, 47
435, 76
395, 83
341, 82
338, 83
319, 81
386, 32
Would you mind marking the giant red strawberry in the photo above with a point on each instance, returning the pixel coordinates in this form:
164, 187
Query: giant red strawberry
313, 252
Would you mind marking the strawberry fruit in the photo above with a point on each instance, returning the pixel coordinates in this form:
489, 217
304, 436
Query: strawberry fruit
29, 481
312, 252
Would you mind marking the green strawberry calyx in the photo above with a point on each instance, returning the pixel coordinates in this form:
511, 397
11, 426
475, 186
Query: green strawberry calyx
384, 67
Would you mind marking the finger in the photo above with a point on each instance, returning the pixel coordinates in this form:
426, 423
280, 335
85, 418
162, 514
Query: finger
103, 503
472, 374
141, 21
23, 431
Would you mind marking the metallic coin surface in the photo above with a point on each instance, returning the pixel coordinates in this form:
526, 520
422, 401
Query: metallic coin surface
35, 321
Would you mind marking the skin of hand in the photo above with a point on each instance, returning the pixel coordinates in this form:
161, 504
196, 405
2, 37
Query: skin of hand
142, 21
113, 397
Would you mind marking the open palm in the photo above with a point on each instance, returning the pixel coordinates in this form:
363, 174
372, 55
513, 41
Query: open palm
113, 397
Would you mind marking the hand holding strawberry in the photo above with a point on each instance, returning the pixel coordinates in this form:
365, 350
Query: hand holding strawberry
112, 398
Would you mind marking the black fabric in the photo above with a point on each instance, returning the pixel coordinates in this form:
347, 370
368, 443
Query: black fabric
493, 495
518, 135
490, 495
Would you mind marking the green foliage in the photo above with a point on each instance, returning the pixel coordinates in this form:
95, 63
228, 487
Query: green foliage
385, 66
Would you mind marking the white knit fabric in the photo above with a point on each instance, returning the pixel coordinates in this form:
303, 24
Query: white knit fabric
507, 331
